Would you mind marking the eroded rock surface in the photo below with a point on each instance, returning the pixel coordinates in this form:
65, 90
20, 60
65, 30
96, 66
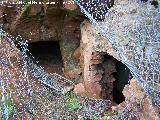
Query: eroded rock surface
57, 22
93, 47
68, 45
137, 102
41, 22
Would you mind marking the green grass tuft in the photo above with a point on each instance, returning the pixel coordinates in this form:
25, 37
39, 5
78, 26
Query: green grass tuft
72, 103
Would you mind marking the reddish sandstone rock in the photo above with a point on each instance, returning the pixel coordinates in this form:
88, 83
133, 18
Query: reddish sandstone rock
79, 88
96, 78
68, 45
92, 86
72, 74
135, 96
97, 58
93, 89
92, 58
149, 112
133, 92
77, 53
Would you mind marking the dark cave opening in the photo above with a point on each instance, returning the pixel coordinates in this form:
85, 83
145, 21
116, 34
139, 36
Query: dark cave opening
48, 55
122, 76
115, 76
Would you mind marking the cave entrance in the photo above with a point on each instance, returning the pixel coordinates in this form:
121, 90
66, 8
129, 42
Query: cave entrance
122, 76
48, 54
115, 76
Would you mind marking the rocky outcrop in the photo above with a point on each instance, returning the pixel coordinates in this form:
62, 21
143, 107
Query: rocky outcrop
57, 22
137, 102
68, 45
96, 70
83, 52
77, 53
41, 22
38, 25
100, 44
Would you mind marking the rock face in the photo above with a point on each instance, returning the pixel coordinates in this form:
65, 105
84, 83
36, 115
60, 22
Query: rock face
134, 94
57, 22
84, 51
40, 22
77, 53
61, 22
96, 70
69, 44
137, 102
31, 20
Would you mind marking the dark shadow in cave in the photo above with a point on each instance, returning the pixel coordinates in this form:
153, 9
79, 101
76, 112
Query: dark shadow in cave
48, 54
115, 76
122, 77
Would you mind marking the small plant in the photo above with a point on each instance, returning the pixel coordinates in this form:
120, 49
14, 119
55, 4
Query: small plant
72, 103
95, 118
8, 109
